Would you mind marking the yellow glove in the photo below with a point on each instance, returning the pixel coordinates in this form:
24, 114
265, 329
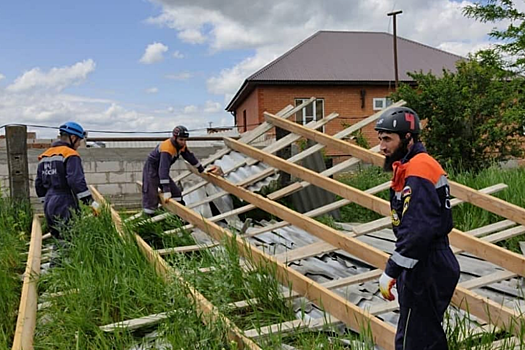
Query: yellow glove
166, 197
215, 170
95, 207
385, 286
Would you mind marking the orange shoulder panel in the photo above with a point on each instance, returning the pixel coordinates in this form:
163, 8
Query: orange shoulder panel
167, 146
63, 151
426, 167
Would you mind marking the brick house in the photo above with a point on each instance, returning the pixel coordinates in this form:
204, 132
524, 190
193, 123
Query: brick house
350, 73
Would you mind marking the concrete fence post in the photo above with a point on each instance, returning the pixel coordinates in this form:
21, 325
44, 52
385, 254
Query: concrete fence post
16, 139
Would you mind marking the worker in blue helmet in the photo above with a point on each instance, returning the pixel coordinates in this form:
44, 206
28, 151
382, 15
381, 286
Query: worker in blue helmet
156, 173
60, 183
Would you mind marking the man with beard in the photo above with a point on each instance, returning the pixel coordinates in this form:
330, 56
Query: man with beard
423, 266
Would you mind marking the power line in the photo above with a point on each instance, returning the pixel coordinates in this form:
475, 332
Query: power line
119, 132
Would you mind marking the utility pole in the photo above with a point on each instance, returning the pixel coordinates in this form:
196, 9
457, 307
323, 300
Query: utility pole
16, 137
394, 14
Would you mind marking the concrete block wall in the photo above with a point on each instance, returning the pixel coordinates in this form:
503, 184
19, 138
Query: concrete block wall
113, 171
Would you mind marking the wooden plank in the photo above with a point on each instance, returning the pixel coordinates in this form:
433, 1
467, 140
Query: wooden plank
488, 279
281, 328
137, 323
387, 221
168, 273
465, 193
336, 305
318, 211
490, 252
479, 306
495, 227
185, 249
26, 321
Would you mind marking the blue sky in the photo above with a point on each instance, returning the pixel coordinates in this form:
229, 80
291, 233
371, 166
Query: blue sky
86, 61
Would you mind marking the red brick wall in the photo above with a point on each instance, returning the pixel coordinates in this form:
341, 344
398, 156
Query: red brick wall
251, 106
345, 100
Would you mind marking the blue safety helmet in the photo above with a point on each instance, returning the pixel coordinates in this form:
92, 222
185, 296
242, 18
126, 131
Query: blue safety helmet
73, 128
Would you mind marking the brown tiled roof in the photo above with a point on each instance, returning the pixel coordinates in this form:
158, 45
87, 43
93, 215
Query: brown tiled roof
330, 57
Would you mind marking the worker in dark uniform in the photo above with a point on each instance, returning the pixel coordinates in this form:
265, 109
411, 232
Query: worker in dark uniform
156, 173
60, 183
423, 266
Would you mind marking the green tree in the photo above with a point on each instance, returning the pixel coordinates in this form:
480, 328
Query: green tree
513, 37
473, 116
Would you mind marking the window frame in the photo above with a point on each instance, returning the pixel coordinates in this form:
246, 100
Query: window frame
385, 101
299, 100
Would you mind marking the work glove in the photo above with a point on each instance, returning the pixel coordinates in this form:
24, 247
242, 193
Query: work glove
215, 170
385, 286
95, 207
166, 197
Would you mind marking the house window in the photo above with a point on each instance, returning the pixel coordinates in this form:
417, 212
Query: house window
314, 111
244, 121
380, 103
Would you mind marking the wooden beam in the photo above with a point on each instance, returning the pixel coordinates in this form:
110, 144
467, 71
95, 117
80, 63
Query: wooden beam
137, 323
487, 202
26, 321
336, 305
167, 272
490, 252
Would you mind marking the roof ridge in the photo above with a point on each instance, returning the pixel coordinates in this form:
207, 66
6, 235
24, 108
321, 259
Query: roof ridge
286, 54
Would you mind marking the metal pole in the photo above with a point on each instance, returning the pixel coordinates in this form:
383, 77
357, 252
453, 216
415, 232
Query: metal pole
16, 139
394, 14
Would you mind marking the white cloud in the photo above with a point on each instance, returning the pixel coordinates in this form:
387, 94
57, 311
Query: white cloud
179, 76
212, 107
190, 109
2, 76
177, 54
463, 49
152, 90
272, 27
154, 53
56, 79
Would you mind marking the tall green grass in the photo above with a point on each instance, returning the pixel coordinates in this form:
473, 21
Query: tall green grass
114, 283
15, 229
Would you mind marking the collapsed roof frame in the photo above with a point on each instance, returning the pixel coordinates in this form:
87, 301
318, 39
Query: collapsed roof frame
477, 305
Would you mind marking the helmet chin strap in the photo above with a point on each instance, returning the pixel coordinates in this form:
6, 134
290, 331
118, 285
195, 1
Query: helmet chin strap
71, 143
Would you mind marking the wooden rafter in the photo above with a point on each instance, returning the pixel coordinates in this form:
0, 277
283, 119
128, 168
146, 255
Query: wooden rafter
490, 252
